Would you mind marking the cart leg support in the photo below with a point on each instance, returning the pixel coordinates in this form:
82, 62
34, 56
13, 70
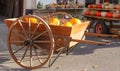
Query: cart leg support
51, 62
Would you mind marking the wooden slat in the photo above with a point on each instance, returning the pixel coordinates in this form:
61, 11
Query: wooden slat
105, 18
103, 9
115, 31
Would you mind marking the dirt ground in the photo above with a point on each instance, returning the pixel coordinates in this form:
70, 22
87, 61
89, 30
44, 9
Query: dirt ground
84, 57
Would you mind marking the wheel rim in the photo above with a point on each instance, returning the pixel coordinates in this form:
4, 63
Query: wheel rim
27, 47
99, 28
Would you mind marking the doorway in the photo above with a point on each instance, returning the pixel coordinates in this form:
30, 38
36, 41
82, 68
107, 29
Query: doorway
11, 8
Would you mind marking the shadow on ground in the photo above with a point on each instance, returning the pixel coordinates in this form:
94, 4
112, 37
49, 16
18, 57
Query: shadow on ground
83, 49
5, 68
3, 59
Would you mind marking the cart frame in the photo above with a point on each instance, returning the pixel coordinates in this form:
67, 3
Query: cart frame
28, 37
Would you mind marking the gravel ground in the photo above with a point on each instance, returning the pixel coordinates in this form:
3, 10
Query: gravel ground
84, 57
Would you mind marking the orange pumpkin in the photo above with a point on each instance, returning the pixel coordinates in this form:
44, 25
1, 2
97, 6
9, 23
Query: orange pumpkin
75, 21
26, 19
117, 6
68, 24
118, 16
115, 15
54, 21
32, 20
87, 13
90, 6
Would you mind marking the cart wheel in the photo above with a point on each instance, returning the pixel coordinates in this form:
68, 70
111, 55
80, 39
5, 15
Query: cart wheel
100, 27
30, 42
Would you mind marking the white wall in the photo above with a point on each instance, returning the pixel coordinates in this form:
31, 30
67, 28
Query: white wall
81, 1
45, 2
32, 4
29, 4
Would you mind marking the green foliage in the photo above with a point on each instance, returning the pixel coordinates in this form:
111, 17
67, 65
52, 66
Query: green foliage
39, 5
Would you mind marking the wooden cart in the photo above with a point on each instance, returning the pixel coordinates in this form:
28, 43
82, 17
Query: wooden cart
31, 45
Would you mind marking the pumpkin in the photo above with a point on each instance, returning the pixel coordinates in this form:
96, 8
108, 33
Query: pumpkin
93, 13
99, 5
75, 21
109, 15
98, 14
115, 15
94, 6
68, 24
118, 16
54, 21
32, 20
90, 6
87, 13
117, 6
26, 19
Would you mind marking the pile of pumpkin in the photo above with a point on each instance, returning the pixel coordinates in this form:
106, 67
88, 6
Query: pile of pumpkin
56, 21
103, 14
69, 23
104, 6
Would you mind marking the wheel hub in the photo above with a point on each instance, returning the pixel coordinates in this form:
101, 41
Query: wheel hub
28, 42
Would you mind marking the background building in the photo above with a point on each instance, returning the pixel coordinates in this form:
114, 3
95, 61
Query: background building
16, 8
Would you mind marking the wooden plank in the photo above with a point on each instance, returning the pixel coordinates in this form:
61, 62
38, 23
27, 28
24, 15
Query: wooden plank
105, 18
116, 26
115, 31
103, 9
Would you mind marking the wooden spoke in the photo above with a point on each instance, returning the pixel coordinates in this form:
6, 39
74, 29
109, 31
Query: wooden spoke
40, 35
24, 54
18, 50
42, 41
36, 29
38, 57
41, 49
29, 23
30, 56
25, 33
21, 36
37, 46
13, 42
